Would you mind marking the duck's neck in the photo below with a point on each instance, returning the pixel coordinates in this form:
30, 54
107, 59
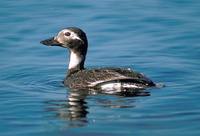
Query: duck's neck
76, 62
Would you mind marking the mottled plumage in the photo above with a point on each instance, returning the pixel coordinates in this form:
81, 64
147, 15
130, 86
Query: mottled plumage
103, 78
94, 78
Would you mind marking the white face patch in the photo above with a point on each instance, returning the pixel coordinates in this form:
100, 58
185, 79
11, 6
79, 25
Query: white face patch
74, 60
72, 35
66, 35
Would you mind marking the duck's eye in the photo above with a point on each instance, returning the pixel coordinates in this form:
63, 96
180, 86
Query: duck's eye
67, 34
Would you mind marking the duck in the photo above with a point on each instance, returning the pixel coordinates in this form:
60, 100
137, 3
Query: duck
78, 77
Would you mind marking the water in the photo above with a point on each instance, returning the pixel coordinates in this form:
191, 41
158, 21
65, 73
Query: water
157, 37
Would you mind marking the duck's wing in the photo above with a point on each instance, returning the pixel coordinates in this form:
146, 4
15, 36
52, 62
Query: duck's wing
96, 77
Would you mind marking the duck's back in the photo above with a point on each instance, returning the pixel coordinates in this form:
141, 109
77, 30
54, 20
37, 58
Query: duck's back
107, 78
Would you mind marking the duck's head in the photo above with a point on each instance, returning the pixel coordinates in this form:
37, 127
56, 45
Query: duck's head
72, 38
75, 40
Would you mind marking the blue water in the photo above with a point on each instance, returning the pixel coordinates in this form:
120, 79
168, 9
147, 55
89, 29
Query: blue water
160, 38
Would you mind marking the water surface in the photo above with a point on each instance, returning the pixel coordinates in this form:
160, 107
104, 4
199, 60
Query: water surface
157, 37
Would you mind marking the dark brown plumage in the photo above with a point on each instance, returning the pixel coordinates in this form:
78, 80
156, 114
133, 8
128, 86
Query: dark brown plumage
103, 78
94, 78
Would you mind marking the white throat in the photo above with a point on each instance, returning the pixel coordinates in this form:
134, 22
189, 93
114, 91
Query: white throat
74, 60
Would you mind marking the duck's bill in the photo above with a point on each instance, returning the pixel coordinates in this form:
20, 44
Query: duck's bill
51, 42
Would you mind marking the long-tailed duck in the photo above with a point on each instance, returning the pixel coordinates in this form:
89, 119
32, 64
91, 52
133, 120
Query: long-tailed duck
78, 77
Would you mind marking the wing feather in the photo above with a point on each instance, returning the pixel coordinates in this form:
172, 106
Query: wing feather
92, 78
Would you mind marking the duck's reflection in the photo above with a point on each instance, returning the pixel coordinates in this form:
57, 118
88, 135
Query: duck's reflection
75, 107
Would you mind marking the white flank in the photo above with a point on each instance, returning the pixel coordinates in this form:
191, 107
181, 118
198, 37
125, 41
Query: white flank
111, 86
74, 60
133, 86
117, 76
92, 84
119, 86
